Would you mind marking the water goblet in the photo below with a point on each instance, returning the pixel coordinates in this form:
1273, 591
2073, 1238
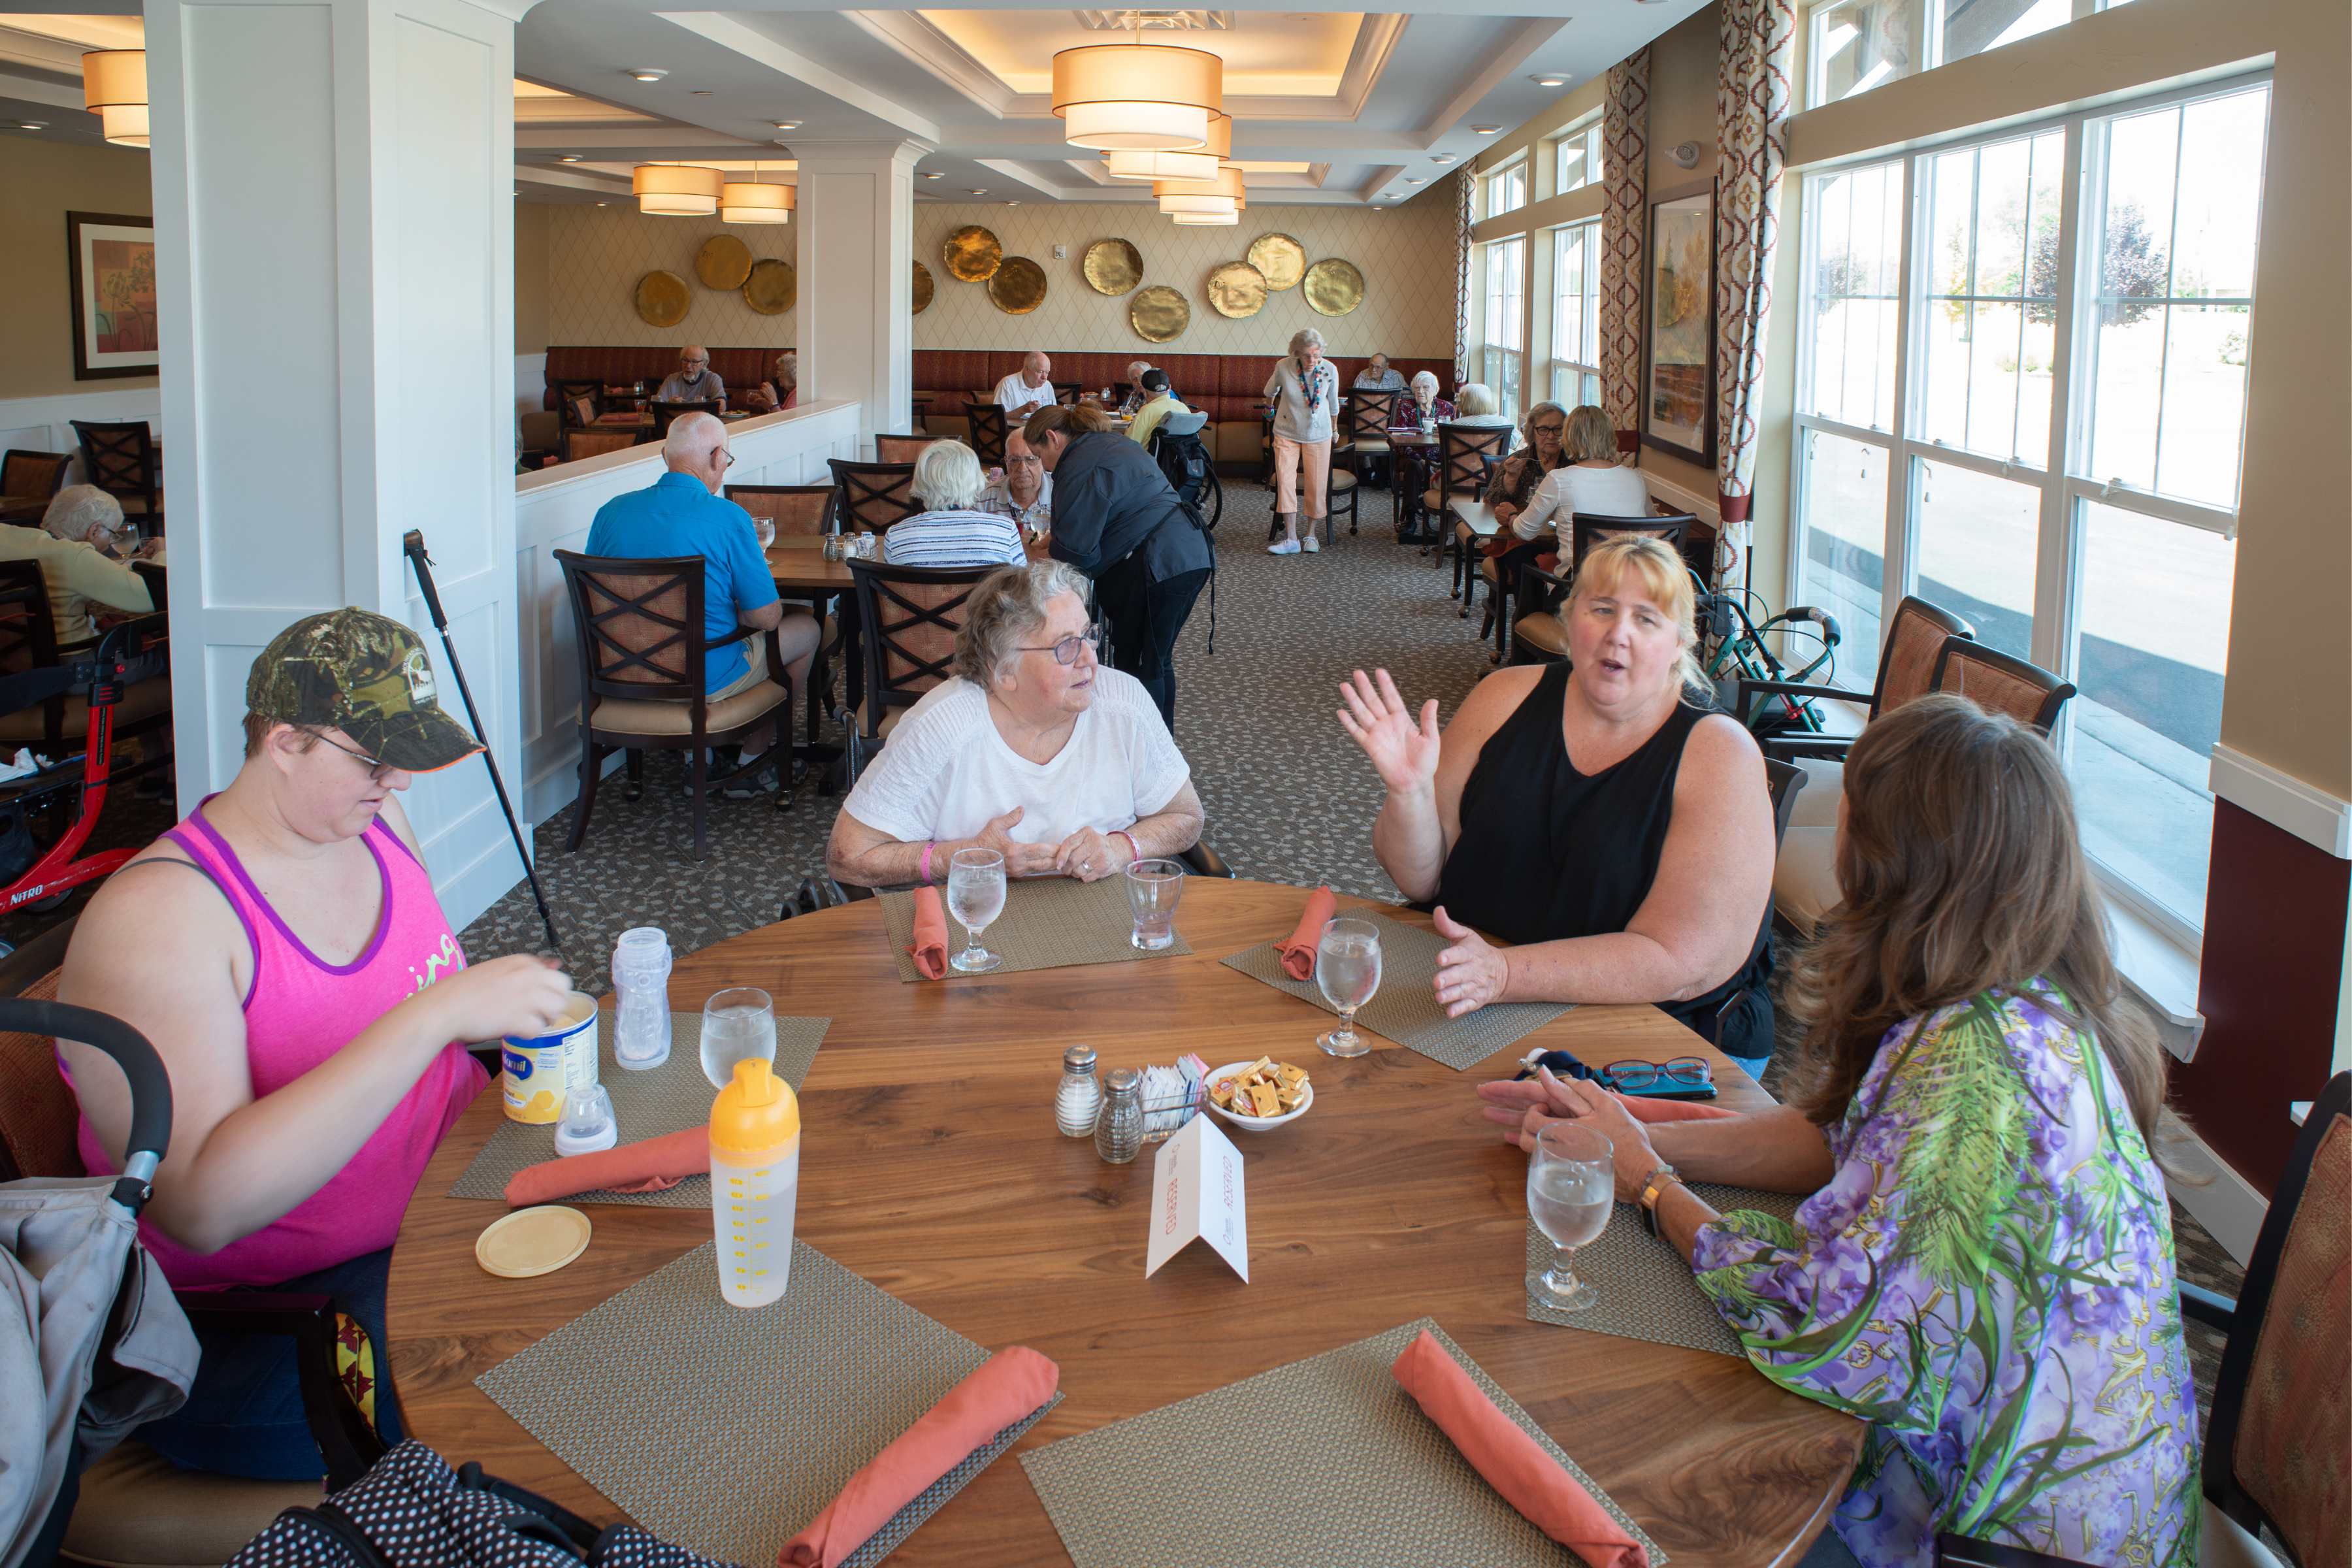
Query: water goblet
1152, 889
1348, 971
975, 897
1571, 1187
738, 1023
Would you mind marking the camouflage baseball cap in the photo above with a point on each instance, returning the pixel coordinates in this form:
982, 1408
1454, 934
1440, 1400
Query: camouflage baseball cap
365, 675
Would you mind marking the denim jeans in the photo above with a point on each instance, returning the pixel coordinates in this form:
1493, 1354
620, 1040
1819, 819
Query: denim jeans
244, 1416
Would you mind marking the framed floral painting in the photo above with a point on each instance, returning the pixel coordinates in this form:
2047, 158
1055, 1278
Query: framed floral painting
110, 262
1678, 379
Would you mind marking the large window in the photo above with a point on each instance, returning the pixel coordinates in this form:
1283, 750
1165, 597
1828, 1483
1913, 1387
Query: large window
1857, 45
2021, 395
1576, 157
1576, 314
1506, 320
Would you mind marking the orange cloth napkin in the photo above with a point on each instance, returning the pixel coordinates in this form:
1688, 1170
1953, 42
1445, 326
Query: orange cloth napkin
1299, 950
1514, 1464
1642, 1109
930, 949
1001, 1391
646, 1166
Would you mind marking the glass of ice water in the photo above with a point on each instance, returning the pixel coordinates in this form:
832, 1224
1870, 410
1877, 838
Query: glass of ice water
1152, 889
738, 1023
1571, 1187
1348, 970
975, 897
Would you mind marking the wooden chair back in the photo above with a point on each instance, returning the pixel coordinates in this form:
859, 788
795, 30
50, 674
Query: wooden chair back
119, 460
28, 638
909, 615
875, 495
1463, 451
889, 448
1588, 529
1999, 683
38, 1118
1067, 392
665, 413
579, 444
580, 402
988, 433
1371, 414
639, 625
803, 510
1914, 642
32, 475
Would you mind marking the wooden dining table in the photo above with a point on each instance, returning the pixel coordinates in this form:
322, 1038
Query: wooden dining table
797, 564
931, 1166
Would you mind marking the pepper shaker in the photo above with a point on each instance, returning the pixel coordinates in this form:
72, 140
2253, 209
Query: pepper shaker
1119, 1127
1077, 1096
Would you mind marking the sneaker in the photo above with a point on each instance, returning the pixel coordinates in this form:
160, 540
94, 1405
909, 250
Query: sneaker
1309, 545
752, 786
1287, 547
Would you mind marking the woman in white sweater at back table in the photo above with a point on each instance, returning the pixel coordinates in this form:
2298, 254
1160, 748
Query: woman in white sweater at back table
1591, 480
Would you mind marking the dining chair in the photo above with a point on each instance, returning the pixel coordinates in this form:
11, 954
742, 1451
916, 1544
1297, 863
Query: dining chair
803, 512
1540, 593
579, 444
2001, 683
988, 433
1067, 392
121, 460
1460, 473
1369, 416
28, 640
889, 449
907, 616
31, 479
664, 414
874, 495
638, 626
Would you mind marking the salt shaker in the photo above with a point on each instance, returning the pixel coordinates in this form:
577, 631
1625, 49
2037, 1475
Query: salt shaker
1077, 1096
1119, 1127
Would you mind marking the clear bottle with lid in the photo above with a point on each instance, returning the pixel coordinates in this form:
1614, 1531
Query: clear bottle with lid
1118, 1126
1077, 1096
755, 1182
641, 965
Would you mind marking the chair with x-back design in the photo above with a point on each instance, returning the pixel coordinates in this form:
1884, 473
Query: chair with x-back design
875, 495
988, 433
909, 615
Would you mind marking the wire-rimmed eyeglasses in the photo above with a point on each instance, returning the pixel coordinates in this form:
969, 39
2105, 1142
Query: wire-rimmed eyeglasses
1065, 650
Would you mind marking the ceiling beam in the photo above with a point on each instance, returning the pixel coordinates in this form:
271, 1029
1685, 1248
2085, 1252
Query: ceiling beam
728, 32
1530, 35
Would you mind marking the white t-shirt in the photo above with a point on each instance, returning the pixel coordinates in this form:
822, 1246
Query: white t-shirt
1017, 398
947, 774
1615, 492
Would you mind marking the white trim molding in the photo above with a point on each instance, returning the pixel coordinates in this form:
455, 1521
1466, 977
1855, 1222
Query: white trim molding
2283, 801
2218, 1198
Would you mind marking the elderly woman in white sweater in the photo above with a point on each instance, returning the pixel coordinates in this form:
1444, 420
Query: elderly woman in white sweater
1302, 395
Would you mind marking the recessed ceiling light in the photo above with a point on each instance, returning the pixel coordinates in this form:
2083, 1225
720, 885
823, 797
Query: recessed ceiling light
1411, 181
1443, 158
569, 158
647, 73
785, 125
1548, 81
982, 191
32, 125
935, 177
1013, 204
1486, 130
604, 204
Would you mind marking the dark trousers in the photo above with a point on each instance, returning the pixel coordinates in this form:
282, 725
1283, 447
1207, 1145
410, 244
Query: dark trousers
1145, 619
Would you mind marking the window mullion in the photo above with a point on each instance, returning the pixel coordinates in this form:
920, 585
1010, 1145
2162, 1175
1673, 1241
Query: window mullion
2057, 594
1901, 527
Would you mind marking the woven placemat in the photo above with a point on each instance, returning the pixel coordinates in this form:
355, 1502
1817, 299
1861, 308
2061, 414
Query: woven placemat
724, 1430
646, 1103
1646, 1287
1049, 922
1405, 1008
1326, 1461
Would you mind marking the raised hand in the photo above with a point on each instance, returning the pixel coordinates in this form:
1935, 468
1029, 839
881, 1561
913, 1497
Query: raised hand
1404, 754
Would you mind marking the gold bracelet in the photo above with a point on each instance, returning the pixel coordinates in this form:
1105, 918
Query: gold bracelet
1653, 1188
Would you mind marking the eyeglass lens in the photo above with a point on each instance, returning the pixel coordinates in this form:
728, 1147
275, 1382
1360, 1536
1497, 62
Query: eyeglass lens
1641, 1075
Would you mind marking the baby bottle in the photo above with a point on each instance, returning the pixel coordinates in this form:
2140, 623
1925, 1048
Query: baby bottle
755, 1182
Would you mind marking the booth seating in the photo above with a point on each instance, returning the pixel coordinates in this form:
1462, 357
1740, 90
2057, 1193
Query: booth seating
741, 369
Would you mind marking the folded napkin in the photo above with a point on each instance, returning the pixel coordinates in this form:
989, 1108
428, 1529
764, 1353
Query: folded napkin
1001, 1389
930, 949
646, 1166
1642, 1108
1298, 950
1514, 1464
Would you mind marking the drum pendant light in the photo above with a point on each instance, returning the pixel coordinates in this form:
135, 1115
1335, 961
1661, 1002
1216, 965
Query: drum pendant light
675, 189
750, 201
1220, 195
1204, 220
114, 87
1138, 96
1201, 166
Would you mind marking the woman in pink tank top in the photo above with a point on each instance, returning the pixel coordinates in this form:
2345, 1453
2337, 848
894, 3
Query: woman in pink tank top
284, 950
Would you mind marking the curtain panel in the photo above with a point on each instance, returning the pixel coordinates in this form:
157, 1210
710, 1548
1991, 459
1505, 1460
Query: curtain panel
1465, 185
1625, 224
1751, 107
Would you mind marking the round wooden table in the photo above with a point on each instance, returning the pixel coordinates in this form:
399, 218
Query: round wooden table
931, 1166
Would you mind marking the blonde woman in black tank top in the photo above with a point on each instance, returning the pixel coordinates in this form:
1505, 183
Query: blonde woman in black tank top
1617, 835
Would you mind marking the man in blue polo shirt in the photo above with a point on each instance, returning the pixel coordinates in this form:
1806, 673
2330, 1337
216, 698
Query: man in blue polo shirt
683, 514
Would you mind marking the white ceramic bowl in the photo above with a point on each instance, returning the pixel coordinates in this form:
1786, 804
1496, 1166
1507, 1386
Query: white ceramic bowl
1253, 1123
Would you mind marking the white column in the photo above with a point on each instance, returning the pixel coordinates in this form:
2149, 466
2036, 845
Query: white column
333, 184
857, 276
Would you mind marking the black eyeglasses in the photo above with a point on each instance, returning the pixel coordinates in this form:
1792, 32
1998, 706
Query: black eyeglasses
377, 771
1065, 651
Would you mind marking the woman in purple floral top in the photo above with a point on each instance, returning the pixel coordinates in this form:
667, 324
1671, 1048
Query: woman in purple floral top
1984, 1271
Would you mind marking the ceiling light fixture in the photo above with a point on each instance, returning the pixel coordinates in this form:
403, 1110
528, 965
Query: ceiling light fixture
755, 201
1204, 220
1222, 194
1486, 130
675, 189
1410, 180
114, 87
785, 125
982, 191
1547, 80
1202, 165
647, 73
1139, 96
32, 125
569, 158
1443, 159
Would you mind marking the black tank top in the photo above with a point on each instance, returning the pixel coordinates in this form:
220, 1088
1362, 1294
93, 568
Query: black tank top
1547, 853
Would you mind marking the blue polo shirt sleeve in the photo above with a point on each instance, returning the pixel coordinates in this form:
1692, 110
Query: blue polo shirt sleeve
749, 584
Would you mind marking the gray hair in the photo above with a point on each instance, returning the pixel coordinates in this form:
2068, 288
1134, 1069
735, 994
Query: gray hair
1006, 609
687, 444
1527, 426
79, 510
947, 475
1302, 337
1428, 375
1475, 398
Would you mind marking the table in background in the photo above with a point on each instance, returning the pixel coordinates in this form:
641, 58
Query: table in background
1479, 519
931, 1165
803, 574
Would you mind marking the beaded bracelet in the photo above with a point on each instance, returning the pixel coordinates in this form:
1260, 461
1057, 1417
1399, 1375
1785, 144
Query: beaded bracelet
927, 847
1133, 853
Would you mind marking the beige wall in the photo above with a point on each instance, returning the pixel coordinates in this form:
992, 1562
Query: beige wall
1406, 257
1681, 108
40, 182
596, 256
531, 225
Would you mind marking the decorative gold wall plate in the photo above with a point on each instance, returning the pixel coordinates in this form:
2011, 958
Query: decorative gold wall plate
1282, 258
1017, 286
772, 288
1113, 266
662, 299
972, 255
923, 288
1237, 289
723, 262
1333, 287
1160, 314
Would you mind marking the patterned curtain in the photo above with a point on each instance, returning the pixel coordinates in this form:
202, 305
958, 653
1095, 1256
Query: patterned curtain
1625, 137
1751, 111
1466, 187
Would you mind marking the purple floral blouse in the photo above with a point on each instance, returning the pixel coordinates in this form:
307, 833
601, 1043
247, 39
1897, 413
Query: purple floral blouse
1988, 1281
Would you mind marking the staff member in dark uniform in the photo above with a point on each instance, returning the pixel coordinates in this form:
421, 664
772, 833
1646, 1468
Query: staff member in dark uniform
1600, 815
1116, 521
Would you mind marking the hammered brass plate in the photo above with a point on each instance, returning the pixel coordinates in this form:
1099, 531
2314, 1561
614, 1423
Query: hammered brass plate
1113, 266
1017, 287
1333, 287
1160, 314
924, 288
972, 255
723, 262
1237, 289
1282, 258
662, 299
772, 288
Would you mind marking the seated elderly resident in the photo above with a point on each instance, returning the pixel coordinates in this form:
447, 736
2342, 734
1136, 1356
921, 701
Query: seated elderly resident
694, 381
1590, 480
1136, 395
1030, 387
1597, 815
1424, 407
1163, 402
1033, 750
1022, 489
1983, 1271
780, 392
82, 524
1476, 404
308, 996
1376, 377
1516, 476
951, 531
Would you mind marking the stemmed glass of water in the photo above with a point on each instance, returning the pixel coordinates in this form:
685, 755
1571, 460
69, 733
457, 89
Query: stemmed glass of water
738, 1023
975, 897
1348, 970
1570, 1189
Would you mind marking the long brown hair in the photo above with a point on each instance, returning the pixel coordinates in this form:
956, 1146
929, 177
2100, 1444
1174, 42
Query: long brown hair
1962, 873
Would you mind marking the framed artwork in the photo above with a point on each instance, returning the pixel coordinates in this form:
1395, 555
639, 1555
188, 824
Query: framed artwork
1678, 369
110, 262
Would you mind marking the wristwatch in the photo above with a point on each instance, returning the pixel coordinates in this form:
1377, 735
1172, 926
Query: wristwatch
1653, 1187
